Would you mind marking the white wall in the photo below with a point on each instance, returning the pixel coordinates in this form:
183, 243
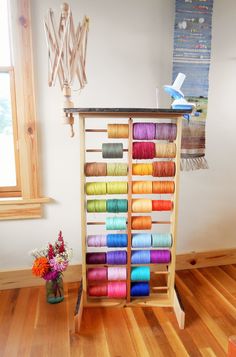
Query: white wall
129, 54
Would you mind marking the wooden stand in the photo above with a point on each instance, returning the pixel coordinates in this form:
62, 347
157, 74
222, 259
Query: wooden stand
160, 295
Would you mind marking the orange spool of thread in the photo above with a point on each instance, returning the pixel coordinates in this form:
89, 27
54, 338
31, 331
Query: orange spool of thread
141, 205
118, 131
163, 169
141, 222
142, 187
162, 205
142, 169
163, 187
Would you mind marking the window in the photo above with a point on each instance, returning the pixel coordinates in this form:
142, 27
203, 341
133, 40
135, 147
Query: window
19, 184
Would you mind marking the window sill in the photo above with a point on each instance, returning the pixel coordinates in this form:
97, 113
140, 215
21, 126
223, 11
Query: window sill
22, 208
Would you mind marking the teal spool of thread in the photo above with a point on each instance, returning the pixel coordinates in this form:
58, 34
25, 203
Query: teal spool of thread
140, 274
96, 206
161, 240
112, 150
117, 187
115, 223
117, 206
118, 169
96, 188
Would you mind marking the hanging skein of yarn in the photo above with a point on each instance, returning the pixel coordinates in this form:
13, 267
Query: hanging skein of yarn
118, 131
143, 150
144, 131
112, 150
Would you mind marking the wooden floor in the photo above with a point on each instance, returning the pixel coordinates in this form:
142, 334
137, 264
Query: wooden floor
31, 327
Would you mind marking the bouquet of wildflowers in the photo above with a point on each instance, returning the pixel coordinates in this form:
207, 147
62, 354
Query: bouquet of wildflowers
51, 261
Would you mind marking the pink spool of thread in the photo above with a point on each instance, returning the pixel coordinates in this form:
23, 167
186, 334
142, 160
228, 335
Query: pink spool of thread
97, 290
97, 241
116, 273
116, 290
97, 274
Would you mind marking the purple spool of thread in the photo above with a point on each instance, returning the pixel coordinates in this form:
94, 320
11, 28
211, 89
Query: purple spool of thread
144, 131
166, 131
96, 258
160, 256
117, 257
97, 241
97, 274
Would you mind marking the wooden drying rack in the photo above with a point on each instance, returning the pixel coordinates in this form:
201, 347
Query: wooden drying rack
160, 296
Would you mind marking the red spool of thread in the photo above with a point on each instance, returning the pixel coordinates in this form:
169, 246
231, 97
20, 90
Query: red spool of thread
144, 150
97, 290
162, 205
163, 169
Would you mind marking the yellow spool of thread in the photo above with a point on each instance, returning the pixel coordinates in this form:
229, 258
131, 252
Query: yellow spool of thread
165, 150
142, 187
142, 169
117, 187
96, 188
141, 205
118, 131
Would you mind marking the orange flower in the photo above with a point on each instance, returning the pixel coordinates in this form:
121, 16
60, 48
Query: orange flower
40, 267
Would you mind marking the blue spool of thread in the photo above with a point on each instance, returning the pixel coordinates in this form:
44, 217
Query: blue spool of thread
117, 206
140, 257
141, 240
140, 274
161, 240
117, 240
115, 223
140, 289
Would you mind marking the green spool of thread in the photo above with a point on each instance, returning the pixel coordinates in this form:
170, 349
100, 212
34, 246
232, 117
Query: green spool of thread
117, 206
140, 274
96, 206
119, 169
112, 150
117, 187
96, 188
161, 240
115, 223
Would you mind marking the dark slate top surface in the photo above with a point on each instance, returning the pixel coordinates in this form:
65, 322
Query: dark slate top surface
125, 110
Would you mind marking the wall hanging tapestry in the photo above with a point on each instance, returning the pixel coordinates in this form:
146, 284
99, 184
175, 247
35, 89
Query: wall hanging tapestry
191, 56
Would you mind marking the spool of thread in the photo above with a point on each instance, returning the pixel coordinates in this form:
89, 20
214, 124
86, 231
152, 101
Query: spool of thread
140, 274
96, 258
115, 223
166, 131
160, 256
140, 257
141, 205
165, 150
142, 169
143, 150
142, 187
117, 240
117, 187
163, 169
141, 222
94, 274
96, 206
161, 240
116, 290
96, 188
118, 257
118, 131
97, 290
97, 240
112, 150
116, 206
162, 205
144, 131
119, 169
140, 289
116, 273
163, 187
141, 240
95, 169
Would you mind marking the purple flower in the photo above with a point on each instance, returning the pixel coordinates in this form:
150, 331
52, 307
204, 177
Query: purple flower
51, 275
58, 263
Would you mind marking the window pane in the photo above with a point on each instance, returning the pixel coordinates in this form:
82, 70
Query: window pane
7, 154
5, 58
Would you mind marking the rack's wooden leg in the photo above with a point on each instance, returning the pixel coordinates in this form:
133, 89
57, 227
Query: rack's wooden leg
179, 310
79, 309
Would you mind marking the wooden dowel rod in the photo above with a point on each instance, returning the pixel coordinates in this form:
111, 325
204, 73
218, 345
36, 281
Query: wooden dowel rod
96, 130
160, 288
99, 150
153, 222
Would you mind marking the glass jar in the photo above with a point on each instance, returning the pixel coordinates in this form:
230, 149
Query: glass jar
54, 290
